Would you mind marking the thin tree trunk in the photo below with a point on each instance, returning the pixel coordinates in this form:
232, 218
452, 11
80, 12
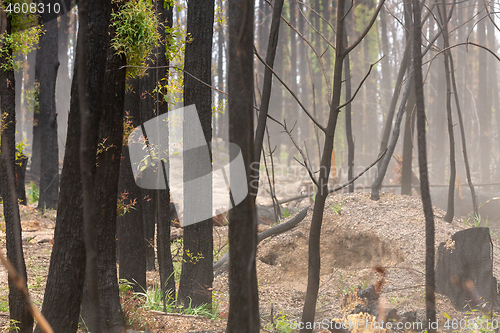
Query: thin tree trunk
430, 297
392, 108
450, 212
243, 293
47, 60
462, 133
348, 118
266, 91
17, 309
309, 310
407, 170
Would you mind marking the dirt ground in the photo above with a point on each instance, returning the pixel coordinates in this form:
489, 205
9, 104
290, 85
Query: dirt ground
366, 233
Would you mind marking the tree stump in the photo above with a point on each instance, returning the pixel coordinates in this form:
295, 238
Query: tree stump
465, 270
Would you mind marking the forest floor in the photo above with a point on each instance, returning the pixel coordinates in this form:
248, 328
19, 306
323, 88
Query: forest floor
389, 233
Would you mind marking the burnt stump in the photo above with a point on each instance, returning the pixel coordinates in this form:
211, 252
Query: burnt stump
465, 270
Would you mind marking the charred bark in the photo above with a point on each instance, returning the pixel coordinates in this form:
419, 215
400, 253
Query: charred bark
15, 254
47, 65
197, 274
430, 297
243, 293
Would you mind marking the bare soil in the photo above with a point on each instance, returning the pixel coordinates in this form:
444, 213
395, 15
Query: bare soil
363, 234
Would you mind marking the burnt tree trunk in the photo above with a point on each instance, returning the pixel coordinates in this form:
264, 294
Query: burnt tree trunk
243, 292
66, 277
197, 274
47, 65
148, 197
450, 212
17, 307
165, 264
130, 226
267, 88
464, 270
106, 190
348, 117
430, 297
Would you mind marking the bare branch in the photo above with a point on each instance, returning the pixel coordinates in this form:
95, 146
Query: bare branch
360, 84
342, 186
313, 27
323, 71
359, 175
304, 157
290, 91
318, 14
365, 32
467, 43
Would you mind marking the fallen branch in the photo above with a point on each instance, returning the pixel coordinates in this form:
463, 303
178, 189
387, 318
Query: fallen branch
221, 265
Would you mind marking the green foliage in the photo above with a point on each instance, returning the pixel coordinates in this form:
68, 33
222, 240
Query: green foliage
4, 304
135, 314
476, 222
136, 306
11, 326
279, 324
136, 27
24, 37
123, 206
337, 206
33, 193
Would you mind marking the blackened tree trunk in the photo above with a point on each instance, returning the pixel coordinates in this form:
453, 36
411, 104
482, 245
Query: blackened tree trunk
267, 89
407, 170
130, 227
148, 200
63, 293
430, 297
243, 292
222, 118
17, 307
348, 118
309, 310
314, 260
165, 264
106, 190
48, 63
483, 106
67, 24
197, 274
450, 211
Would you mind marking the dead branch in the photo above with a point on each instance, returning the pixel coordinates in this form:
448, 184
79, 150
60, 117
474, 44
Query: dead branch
290, 91
313, 27
360, 84
310, 45
348, 49
304, 157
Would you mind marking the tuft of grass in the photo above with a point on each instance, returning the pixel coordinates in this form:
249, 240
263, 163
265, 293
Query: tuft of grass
337, 206
476, 222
